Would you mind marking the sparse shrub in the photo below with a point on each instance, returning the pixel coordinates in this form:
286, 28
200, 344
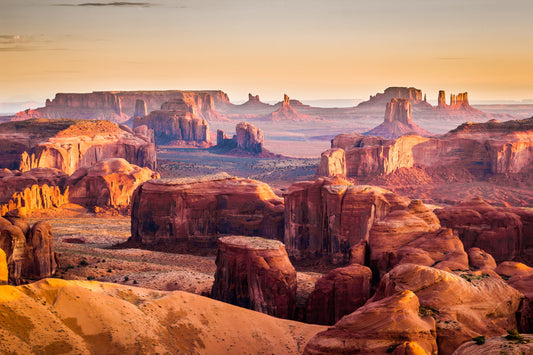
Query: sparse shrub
126, 278
90, 277
135, 282
83, 263
480, 340
513, 334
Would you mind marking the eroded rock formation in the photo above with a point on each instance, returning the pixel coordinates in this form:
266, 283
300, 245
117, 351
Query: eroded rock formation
69, 144
180, 210
378, 328
338, 293
332, 163
109, 183
398, 121
464, 306
176, 127
247, 140
286, 112
140, 108
255, 273
327, 217
502, 232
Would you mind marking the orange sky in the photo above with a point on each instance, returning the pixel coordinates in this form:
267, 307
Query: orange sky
308, 49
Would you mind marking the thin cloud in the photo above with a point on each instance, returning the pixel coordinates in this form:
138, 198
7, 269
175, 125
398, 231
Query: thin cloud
453, 58
115, 4
22, 43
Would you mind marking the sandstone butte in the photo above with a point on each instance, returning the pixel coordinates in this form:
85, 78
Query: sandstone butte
472, 149
176, 123
119, 106
107, 184
255, 273
89, 317
398, 121
70, 144
195, 209
286, 112
247, 140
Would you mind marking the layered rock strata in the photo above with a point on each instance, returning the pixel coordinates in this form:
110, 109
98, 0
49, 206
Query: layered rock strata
255, 273
247, 139
69, 144
179, 210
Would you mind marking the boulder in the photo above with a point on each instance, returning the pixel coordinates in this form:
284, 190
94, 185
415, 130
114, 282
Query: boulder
13, 243
4, 272
255, 273
338, 293
378, 328
178, 210
464, 305
41, 261
479, 259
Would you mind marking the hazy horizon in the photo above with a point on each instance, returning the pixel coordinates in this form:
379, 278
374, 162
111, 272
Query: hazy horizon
311, 50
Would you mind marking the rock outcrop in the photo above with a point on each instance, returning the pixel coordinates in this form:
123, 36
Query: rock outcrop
329, 216
338, 293
464, 306
398, 121
502, 232
255, 273
247, 140
332, 163
119, 106
36, 197
140, 108
498, 345
109, 183
180, 210
390, 324
69, 144
381, 99
29, 252
479, 149
176, 127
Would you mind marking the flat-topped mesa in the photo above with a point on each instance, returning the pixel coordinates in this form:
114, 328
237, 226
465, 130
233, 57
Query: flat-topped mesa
119, 106
140, 108
381, 99
255, 273
176, 127
398, 121
70, 144
180, 210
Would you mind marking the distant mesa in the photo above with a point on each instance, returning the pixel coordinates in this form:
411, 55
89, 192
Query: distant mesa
247, 140
254, 100
176, 123
457, 102
119, 106
398, 121
414, 95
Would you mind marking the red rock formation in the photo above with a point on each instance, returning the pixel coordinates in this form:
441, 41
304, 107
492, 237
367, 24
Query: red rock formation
4, 272
255, 273
69, 144
118, 106
332, 163
41, 261
442, 99
36, 197
13, 243
380, 99
480, 149
176, 128
247, 140
338, 293
327, 217
479, 259
140, 108
109, 183
497, 345
178, 210
398, 121
497, 230
465, 306
378, 328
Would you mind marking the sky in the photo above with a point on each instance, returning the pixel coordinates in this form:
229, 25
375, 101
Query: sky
309, 49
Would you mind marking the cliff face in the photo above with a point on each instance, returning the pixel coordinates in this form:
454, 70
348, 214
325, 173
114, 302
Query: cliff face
329, 216
398, 121
480, 149
70, 144
176, 127
119, 106
381, 99
179, 210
